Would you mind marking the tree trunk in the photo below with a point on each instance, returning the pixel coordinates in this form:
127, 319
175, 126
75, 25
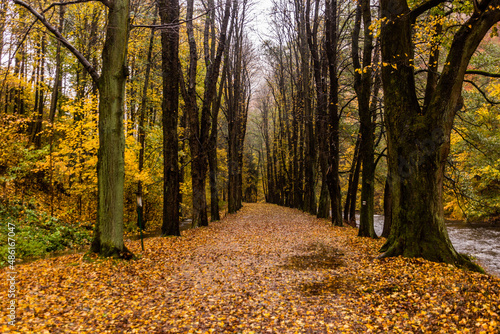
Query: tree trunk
320, 68
354, 193
387, 208
169, 14
333, 117
108, 234
419, 140
141, 217
36, 135
57, 79
236, 101
213, 59
363, 86
309, 204
212, 153
352, 185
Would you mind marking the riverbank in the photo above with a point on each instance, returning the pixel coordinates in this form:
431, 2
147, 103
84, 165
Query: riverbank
264, 269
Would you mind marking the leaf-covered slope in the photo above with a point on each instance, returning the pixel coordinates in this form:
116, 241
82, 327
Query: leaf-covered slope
265, 269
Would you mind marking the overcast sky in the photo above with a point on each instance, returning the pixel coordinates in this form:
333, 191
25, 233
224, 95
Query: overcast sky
260, 26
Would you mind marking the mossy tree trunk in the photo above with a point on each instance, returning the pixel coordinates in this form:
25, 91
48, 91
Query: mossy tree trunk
419, 138
108, 235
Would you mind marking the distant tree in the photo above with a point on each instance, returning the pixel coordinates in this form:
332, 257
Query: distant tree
238, 93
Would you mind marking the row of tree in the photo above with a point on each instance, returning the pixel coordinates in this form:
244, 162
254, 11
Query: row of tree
418, 55
215, 33
323, 125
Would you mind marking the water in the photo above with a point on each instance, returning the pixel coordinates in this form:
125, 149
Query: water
481, 242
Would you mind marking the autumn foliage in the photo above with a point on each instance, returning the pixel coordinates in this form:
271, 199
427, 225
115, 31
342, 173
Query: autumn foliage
266, 269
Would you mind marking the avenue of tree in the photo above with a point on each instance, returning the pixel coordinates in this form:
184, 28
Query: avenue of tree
349, 104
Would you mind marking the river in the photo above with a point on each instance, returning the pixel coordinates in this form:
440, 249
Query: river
481, 242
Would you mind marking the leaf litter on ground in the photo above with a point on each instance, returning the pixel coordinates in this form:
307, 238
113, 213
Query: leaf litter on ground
265, 269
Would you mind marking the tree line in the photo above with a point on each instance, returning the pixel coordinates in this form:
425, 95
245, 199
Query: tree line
214, 76
383, 80
347, 89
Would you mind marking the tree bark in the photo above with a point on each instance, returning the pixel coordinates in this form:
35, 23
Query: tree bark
333, 180
236, 113
169, 14
108, 232
387, 208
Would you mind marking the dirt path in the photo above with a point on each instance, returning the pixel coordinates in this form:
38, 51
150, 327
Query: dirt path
266, 269
253, 273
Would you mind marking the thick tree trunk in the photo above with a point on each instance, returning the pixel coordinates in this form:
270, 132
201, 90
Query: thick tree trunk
419, 141
108, 234
169, 13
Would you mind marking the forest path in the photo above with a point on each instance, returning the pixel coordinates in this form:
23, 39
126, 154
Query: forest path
265, 269
262, 269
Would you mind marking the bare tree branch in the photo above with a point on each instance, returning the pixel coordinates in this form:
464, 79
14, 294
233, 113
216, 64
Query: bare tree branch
416, 12
81, 58
482, 92
104, 2
167, 26
483, 73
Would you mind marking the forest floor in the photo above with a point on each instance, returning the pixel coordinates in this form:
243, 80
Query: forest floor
266, 269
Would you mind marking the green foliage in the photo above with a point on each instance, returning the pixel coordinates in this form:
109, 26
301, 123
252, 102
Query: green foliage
37, 233
473, 186
476, 165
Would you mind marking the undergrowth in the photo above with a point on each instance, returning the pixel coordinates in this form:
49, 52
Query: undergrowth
36, 233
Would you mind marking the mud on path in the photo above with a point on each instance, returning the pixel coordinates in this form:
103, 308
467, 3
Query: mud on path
265, 269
